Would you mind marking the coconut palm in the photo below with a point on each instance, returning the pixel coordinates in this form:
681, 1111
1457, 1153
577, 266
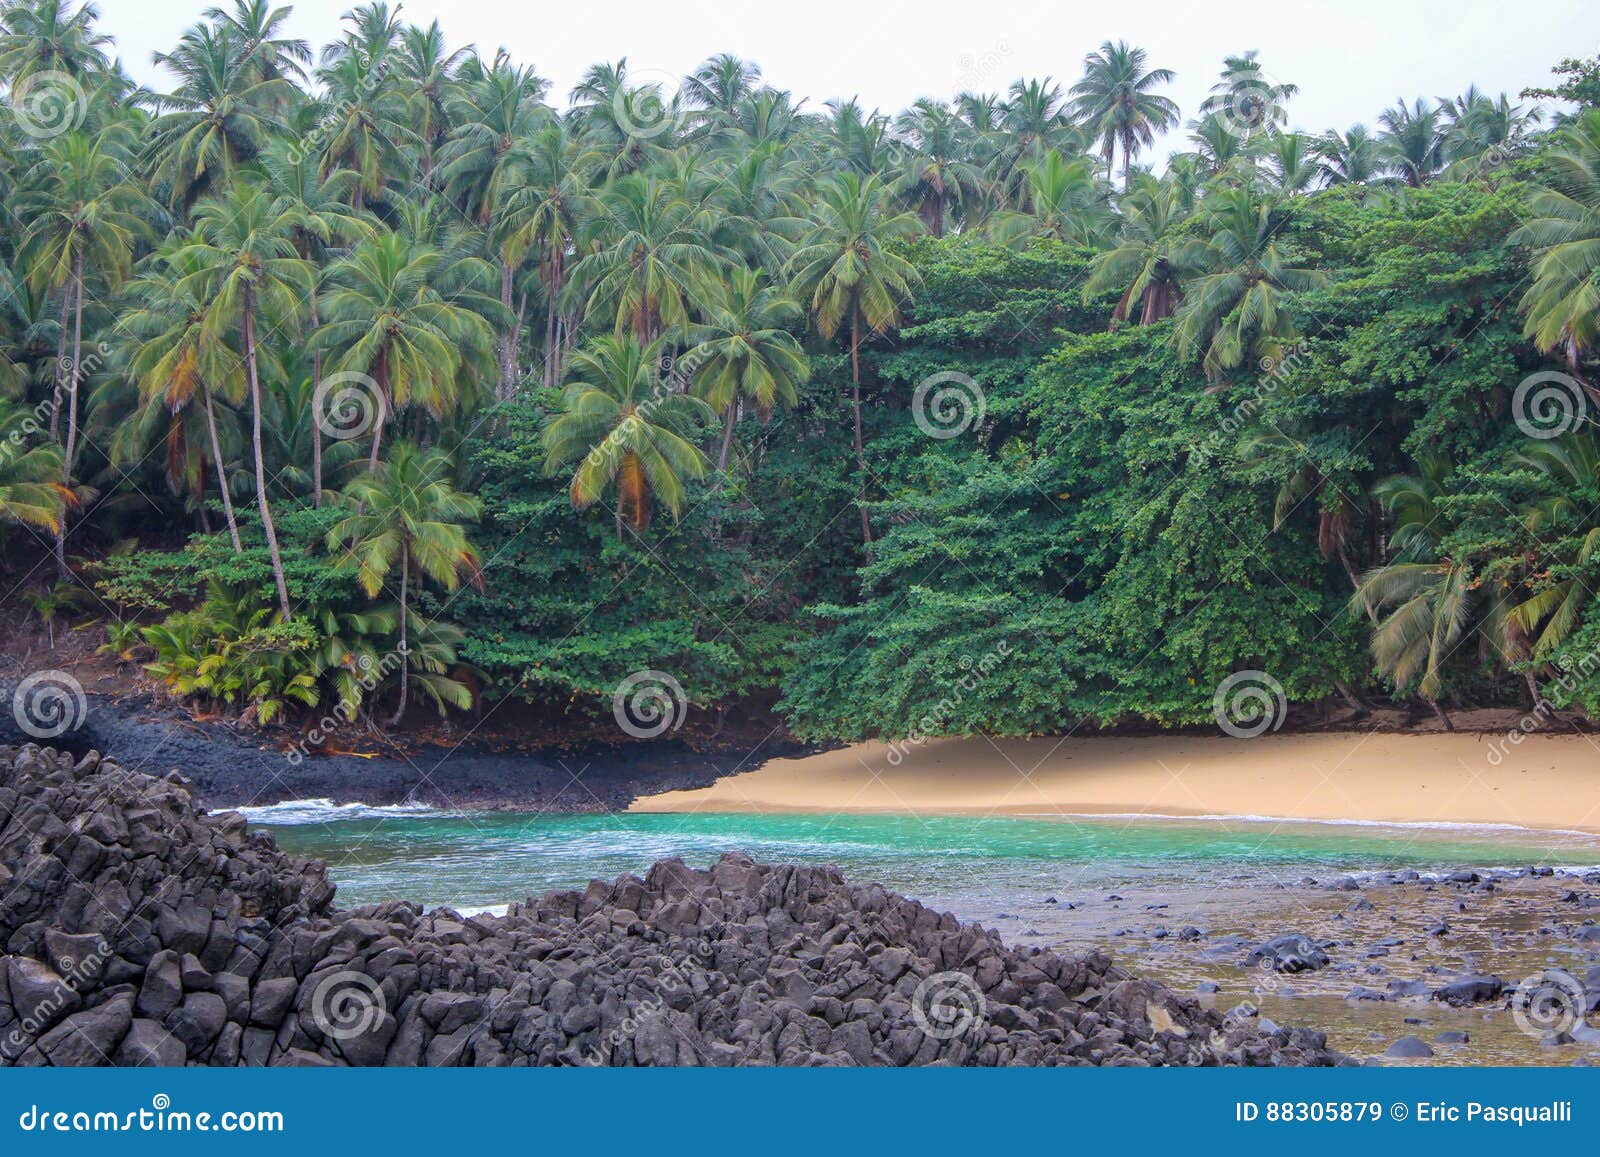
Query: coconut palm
256, 27
325, 221
1350, 158
1570, 466
1562, 307
622, 424
369, 122
173, 359
1148, 258
654, 262
389, 314
84, 220
242, 259
409, 512
1062, 199
721, 84
39, 36
1116, 105
542, 217
31, 491
1238, 307
1291, 163
934, 178
493, 110
1247, 99
219, 116
745, 354
1412, 144
1426, 598
426, 68
851, 279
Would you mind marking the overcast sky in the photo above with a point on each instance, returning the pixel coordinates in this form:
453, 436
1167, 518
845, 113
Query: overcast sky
1350, 58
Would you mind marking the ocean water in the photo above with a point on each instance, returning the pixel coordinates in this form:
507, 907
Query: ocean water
976, 867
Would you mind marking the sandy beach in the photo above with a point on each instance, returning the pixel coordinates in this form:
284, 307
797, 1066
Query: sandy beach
1544, 782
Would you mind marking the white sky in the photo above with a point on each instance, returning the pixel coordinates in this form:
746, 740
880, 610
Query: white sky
1350, 59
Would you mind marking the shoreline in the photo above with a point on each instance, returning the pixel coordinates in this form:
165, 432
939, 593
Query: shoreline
1547, 783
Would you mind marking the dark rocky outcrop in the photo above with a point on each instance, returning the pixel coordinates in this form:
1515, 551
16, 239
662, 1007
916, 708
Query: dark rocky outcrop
138, 930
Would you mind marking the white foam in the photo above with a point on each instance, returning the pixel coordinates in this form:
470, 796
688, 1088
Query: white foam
322, 811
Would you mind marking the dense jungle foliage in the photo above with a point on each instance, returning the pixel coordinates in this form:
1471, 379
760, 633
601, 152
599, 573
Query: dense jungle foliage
958, 419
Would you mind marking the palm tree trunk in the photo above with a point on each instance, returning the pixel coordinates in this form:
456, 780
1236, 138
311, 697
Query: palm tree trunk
508, 340
1355, 583
405, 659
1536, 695
382, 366
730, 418
1439, 711
316, 426
855, 401
267, 528
70, 454
222, 474
61, 365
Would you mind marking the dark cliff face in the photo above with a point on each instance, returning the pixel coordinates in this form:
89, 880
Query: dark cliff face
228, 767
139, 930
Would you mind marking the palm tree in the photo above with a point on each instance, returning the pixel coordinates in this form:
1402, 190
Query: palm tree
1432, 595
543, 216
493, 111
385, 315
369, 121
174, 358
1412, 144
1114, 102
1570, 466
1350, 158
50, 36
721, 84
1064, 199
934, 178
1480, 133
621, 423
746, 354
426, 68
83, 214
324, 221
242, 259
1291, 163
1245, 97
256, 27
852, 279
219, 116
31, 491
654, 263
1148, 259
1238, 307
1562, 306
408, 511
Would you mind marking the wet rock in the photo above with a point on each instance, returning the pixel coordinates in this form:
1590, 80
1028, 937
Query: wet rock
1288, 953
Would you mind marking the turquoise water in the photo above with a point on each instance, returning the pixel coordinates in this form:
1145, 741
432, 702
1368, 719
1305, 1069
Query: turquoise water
974, 867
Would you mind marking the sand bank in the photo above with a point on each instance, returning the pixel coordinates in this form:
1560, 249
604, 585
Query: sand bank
1545, 782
